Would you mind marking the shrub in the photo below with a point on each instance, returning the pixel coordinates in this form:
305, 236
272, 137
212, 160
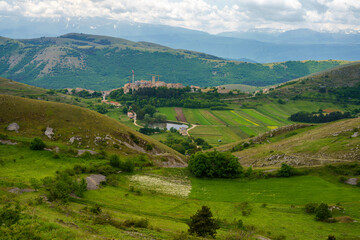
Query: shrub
137, 223
286, 171
115, 161
331, 237
322, 212
9, 215
127, 166
202, 223
37, 144
311, 207
214, 165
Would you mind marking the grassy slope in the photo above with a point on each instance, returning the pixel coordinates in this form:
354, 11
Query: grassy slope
346, 75
325, 143
52, 63
168, 214
33, 116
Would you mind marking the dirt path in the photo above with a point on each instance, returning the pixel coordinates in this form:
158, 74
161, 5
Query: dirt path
180, 115
135, 123
192, 127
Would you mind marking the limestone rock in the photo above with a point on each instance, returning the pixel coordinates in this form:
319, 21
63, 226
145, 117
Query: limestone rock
13, 127
93, 181
49, 132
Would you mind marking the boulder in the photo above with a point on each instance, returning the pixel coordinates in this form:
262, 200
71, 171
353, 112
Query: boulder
49, 132
352, 181
356, 134
93, 181
13, 127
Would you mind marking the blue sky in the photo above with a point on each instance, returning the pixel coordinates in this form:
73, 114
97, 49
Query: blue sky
212, 16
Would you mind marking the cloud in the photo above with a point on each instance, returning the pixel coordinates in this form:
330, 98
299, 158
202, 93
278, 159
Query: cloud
207, 15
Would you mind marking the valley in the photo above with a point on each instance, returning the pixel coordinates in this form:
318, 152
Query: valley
80, 164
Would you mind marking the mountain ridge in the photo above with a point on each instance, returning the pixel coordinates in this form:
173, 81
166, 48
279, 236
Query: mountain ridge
102, 63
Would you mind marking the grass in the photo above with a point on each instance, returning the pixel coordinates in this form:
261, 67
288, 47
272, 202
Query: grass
195, 116
167, 214
295, 190
33, 116
169, 112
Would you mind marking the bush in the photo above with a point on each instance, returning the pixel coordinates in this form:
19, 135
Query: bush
202, 223
322, 212
127, 166
115, 161
311, 207
37, 144
286, 171
215, 165
9, 215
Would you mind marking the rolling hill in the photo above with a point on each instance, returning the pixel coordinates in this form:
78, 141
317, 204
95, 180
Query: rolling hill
338, 83
306, 146
102, 63
72, 126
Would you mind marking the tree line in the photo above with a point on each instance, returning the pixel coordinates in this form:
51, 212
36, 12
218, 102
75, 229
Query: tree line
318, 117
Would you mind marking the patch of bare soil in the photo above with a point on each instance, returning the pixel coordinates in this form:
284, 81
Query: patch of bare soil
180, 115
344, 219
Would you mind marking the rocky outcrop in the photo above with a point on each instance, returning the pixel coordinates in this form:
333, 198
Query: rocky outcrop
352, 181
82, 151
93, 181
13, 127
49, 132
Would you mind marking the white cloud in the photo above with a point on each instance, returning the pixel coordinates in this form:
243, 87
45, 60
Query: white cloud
207, 15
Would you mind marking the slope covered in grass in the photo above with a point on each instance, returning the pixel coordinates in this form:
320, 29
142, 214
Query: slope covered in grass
74, 126
322, 144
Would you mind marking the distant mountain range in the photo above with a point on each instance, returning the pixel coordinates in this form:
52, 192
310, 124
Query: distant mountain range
257, 45
102, 63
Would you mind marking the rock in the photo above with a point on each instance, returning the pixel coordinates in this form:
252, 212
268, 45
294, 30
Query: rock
82, 151
73, 139
49, 132
93, 181
8, 142
352, 181
13, 127
19, 191
356, 134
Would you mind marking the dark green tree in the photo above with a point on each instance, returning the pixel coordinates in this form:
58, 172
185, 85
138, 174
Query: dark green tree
202, 223
37, 144
322, 212
286, 171
215, 165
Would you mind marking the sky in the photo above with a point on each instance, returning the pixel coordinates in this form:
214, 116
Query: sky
212, 16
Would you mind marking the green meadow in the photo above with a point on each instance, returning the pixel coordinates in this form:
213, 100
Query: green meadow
277, 204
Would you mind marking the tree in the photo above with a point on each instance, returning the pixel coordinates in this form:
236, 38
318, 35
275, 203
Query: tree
322, 212
101, 108
214, 165
202, 223
285, 170
37, 144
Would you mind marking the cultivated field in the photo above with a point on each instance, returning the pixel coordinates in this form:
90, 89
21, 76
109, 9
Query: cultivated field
225, 126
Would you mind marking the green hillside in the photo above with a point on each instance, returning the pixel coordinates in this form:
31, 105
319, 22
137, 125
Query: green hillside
314, 145
88, 129
340, 83
101, 63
